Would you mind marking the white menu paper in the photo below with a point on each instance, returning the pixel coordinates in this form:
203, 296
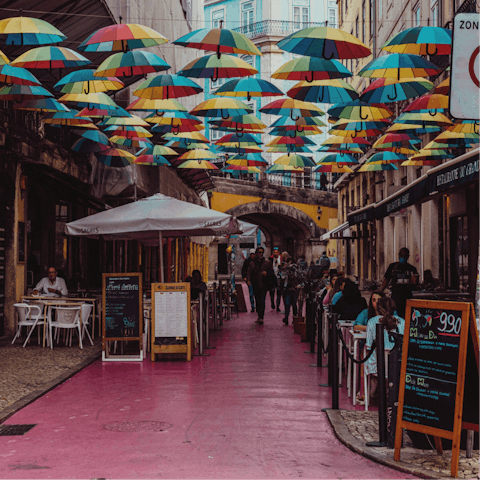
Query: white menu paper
171, 314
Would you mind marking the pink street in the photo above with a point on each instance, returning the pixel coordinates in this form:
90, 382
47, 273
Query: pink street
252, 409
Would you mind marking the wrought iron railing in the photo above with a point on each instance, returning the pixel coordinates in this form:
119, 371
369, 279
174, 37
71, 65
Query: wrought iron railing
275, 27
468, 6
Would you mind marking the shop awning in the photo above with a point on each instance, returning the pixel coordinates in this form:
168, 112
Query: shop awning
450, 174
337, 232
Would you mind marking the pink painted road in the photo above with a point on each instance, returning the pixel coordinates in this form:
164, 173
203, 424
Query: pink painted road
252, 409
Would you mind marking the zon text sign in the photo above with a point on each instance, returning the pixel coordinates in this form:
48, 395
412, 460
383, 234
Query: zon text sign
465, 78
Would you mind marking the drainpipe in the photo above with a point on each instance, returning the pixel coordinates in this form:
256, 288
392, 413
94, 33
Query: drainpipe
374, 26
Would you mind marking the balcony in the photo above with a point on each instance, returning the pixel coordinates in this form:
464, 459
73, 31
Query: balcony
468, 6
278, 28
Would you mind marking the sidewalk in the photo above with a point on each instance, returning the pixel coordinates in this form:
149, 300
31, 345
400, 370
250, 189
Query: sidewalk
252, 409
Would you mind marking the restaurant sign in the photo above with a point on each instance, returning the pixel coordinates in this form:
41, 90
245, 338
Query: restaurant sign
401, 200
457, 174
366, 215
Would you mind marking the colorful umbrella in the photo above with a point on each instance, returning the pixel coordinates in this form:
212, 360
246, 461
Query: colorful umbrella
340, 148
212, 67
135, 142
385, 90
115, 157
396, 138
310, 69
339, 159
457, 138
465, 126
323, 91
248, 160
439, 119
21, 93
287, 140
153, 160
284, 169
358, 142
412, 129
399, 65
444, 87
284, 131
29, 31
84, 145
198, 154
68, 119
295, 109
104, 111
41, 105
83, 81
377, 163
249, 88
332, 168
349, 128
167, 86
161, 150
131, 63
421, 41
220, 40
295, 160
358, 110
128, 131
3, 59
240, 169
121, 37
299, 124
50, 57
176, 129
221, 107
240, 123
88, 100
129, 120
324, 42
18, 76
198, 164
240, 137
190, 136
386, 157
239, 149
428, 103
181, 144
427, 157
159, 107
173, 118
421, 163
289, 148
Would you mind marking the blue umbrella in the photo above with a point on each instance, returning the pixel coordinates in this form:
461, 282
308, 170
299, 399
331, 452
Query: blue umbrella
248, 87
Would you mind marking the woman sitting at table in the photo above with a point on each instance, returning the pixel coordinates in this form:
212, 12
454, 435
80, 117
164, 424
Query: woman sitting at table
386, 316
197, 285
333, 288
362, 319
351, 303
51, 286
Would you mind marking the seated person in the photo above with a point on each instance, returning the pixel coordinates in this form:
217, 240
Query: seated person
430, 283
197, 285
386, 315
351, 303
77, 283
52, 285
363, 317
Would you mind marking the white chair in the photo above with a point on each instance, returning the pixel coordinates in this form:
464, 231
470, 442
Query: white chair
66, 318
86, 312
28, 316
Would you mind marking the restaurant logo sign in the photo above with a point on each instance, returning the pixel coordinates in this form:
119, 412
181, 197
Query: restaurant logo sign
456, 175
398, 202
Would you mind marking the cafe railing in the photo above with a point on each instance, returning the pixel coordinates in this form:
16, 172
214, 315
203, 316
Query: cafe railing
275, 27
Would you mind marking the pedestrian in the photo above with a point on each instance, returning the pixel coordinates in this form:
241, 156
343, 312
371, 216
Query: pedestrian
324, 262
276, 260
323, 181
259, 275
401, 277
246, 263
290, 291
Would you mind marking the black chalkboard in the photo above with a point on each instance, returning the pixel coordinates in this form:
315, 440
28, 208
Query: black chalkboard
122, 306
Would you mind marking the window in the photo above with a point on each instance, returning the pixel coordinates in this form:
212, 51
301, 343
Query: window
364, 21
435, 12
215, 134
372, 6
301, 13
217, 83
416, 15
357, 31
332, 18
247, 17
217, 16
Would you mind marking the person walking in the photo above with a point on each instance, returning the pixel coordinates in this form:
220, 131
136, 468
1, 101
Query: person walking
323, 181
259, 275
290, 292
276, 260
245, 266
401, 277
324, 262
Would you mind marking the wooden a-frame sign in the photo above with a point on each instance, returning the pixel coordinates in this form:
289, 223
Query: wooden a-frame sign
439, 385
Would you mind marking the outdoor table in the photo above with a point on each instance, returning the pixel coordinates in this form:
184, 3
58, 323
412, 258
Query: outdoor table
53, 301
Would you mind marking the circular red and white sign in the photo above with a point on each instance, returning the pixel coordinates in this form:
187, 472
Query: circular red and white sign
471, 67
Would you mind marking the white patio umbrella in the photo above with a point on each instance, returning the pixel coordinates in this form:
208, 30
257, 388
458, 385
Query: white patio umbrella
151, 218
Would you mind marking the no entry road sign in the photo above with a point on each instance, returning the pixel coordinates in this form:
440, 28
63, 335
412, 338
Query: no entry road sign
465, 79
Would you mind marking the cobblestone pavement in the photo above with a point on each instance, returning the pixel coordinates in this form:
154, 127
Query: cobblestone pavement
27, 373
356, 428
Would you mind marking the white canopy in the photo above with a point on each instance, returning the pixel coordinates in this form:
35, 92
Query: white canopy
144, 219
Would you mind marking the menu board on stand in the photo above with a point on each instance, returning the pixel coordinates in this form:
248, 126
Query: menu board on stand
122, 313
171, 327
439, 385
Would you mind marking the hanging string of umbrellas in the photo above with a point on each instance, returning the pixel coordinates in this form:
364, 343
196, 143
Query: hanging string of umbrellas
112, 133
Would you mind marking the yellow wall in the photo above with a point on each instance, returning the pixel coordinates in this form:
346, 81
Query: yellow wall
223, 202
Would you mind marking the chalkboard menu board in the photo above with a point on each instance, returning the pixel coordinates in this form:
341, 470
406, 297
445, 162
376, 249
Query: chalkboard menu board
435, 378
122, 306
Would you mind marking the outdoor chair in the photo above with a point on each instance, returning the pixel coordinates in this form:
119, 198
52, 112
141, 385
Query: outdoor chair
86, 312
28, 316
66, 318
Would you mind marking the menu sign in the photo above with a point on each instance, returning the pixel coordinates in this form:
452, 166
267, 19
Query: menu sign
122, 306
434, 396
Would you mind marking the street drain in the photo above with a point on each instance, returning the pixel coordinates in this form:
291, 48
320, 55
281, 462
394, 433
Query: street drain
9, 430
147, 426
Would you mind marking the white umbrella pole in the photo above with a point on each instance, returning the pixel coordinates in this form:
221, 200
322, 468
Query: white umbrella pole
160, 255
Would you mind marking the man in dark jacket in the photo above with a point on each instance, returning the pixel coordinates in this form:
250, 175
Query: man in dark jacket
258, 275
245, 266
